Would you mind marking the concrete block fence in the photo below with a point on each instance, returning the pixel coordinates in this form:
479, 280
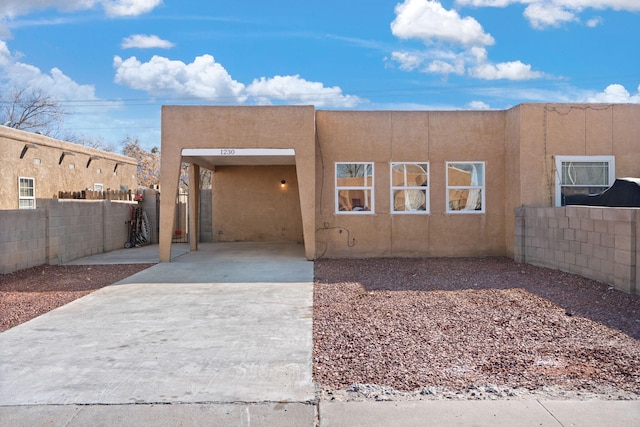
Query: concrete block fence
601, 243
59, 231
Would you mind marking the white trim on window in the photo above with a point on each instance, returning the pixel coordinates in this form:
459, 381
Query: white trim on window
354, 188
97, 186
409, 187
466, 187
580, 184
26, 193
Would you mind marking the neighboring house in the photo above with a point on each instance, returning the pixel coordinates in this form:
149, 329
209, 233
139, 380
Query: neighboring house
34, 166
390, 183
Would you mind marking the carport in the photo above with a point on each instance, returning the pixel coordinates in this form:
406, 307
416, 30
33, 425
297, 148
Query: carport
229, 137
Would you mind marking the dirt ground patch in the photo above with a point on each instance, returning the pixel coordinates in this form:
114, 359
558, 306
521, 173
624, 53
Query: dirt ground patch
29, 293
470, 328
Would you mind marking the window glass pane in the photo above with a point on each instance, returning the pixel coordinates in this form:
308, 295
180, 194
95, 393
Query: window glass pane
354, 200
355, 170
465, 199
27, 204
585, 173
466, 174
410, 200
354, 187
572, 191
26, 187
409, 175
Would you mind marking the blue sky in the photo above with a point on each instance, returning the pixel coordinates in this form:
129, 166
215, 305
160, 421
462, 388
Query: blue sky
113, 63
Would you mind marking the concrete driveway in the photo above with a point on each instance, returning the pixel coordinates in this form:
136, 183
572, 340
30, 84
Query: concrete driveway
218, 337
228, 325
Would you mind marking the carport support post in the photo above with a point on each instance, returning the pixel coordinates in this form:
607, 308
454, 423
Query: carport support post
169, 179
194, 206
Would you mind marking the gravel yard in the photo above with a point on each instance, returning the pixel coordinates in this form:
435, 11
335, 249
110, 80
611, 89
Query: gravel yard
470, 328
437, 328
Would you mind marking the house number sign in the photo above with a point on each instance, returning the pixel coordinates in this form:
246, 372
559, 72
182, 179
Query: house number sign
227, 152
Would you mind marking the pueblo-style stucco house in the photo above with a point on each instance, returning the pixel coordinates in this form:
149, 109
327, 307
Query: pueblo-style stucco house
390, 183
34, 166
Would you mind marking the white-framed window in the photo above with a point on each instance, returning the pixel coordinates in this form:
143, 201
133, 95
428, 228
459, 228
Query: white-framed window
354, 188
98, 187
26, 193
465, 187
582, 175
409, 188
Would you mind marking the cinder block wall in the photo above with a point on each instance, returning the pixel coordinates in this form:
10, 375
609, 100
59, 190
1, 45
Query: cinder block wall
600, 243
23, 239
60, 231
75, 230
116, 227
150, 205
206, 219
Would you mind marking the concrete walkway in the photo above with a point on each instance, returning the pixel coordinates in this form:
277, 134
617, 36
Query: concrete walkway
221, 336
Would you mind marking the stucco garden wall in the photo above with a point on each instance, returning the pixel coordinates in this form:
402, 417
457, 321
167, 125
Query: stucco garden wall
600, 243
56, 165
60, 231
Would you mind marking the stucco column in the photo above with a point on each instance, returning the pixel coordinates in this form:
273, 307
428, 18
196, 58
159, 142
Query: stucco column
306, 174
194, 206
169, 178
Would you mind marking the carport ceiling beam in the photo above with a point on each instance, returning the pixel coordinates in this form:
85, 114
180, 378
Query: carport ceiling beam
209, 157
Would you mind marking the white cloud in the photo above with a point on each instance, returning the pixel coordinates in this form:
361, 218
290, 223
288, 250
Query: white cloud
514, 70
478, 105
408, 61
10, 9
616, 93
553, 13
14, 73
129, 7
486, 3
203, 78
542, 15
428, 21
296, 90
439, 66
594, 22
5, 54
144, 41
463, 39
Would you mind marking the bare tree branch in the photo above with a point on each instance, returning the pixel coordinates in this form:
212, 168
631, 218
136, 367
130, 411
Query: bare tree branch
32, 110
148, 172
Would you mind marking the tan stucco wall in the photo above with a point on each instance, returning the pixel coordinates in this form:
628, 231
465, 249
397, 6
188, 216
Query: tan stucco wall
238, 127
536, 133
517, 147
434, 137
258, 208
51, 177
548, 130
512, 167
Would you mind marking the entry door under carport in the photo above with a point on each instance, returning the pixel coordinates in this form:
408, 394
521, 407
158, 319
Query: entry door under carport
251, 203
